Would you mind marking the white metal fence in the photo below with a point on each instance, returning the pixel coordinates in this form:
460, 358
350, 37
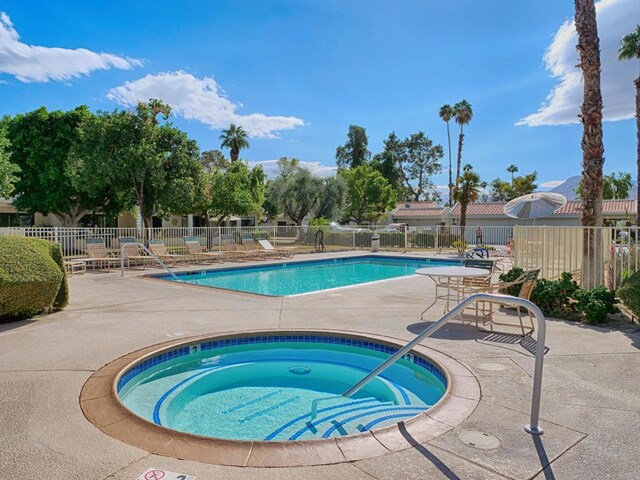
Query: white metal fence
596, 256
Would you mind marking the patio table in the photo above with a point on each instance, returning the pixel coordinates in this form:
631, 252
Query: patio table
446, 277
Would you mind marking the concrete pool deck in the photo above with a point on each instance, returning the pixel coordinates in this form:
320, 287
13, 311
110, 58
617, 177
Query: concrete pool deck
590, 409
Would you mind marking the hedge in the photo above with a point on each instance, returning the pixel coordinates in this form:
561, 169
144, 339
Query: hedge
32, 277
629, 293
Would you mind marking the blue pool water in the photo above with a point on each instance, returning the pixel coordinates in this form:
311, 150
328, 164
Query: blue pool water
308, 276
266, 387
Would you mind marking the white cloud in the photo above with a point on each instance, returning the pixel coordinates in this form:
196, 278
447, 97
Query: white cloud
271, 168
616, 18
29, 63
552, 184
200, 99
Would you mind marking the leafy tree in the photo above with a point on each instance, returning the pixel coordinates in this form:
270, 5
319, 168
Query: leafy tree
503, 191
387, 162
446, 114
466, 192
147, 163
41, 142
236, 190
235, 139
591, 114
369, 194
630, 50
418, 161
211, 159
298, 193
614, 186
8, 170
463, 114
355, 151
512, 169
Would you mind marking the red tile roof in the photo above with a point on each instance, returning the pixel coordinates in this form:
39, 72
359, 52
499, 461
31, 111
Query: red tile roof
417, 212
571, 208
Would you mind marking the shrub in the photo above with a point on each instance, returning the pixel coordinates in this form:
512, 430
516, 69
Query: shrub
554, 296
32, 277
629, 293
510, 276
594, 305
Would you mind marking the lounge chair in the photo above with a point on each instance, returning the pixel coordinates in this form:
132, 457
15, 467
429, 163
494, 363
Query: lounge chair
159, 249
527, 281
197, 251
98, 253
132, 254
283, 251
253, 249
231, 250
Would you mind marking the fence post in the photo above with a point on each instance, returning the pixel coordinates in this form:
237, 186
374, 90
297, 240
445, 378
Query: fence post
55, 235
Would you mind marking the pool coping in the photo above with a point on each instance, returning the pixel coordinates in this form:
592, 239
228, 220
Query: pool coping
257, 264
101, 406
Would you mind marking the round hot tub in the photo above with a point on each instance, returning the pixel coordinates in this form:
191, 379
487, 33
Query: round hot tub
274, 387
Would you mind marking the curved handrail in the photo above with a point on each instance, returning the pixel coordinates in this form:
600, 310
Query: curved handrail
533, 426
148, 252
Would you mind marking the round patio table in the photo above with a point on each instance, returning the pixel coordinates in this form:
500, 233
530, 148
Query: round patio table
446, 277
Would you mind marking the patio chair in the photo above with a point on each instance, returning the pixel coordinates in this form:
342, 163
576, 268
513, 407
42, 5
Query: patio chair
231, 250
252, 248
132, 254
197, 251
98, 254
159, 249
527, 281
282, 251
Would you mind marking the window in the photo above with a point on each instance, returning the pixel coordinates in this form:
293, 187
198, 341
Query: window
15, 220
248, 222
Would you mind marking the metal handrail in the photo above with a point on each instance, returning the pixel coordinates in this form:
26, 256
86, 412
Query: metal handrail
533, 426
148, 252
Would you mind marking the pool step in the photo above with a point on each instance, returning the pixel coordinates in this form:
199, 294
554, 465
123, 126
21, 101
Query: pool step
346, 418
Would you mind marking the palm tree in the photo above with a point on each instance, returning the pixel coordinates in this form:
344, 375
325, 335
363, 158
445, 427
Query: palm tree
629, 50
463, 114
512, 169
235, 139
591, 112
446, 114
465, 192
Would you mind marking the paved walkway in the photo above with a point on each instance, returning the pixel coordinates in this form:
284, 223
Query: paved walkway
590, 409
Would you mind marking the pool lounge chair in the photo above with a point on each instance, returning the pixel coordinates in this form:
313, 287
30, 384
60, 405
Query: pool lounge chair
231, 250
256, 251
98, 253
132, 254
197, 251
159, 249
282, 251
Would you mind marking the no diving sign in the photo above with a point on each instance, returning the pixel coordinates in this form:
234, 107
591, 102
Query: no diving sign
159, 474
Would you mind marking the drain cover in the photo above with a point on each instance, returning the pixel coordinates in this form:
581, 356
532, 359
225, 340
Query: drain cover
478, 439
300, 370
492, 367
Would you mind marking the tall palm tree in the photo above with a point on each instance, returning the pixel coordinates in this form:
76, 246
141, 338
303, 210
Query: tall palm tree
465, 192
591, 112
463, 113
512, 169
629, 50
235, 139
446, 114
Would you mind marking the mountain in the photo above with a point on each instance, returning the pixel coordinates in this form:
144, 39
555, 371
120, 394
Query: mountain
570, 184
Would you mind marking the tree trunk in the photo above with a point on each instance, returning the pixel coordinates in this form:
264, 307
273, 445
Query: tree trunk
460, 140
235, 153
450, 166
463, 221
591, 113
592, 146
637, 82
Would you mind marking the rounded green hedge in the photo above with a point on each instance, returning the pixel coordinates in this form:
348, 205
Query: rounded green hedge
629, 293
32, 277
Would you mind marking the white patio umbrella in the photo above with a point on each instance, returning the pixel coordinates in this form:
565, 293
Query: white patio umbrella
534, 205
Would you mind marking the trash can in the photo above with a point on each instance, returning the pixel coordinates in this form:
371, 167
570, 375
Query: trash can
375, 242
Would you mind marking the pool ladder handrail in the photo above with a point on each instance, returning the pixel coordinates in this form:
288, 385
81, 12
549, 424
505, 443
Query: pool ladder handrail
532, 427
148, 252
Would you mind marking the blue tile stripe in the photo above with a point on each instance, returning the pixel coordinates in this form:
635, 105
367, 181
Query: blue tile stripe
261, 339
339, 424
378, 420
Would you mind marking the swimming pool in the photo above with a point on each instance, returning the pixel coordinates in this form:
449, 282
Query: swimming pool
274, 387
293, 278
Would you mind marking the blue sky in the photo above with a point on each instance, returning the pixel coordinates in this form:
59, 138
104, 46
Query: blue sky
296, 73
